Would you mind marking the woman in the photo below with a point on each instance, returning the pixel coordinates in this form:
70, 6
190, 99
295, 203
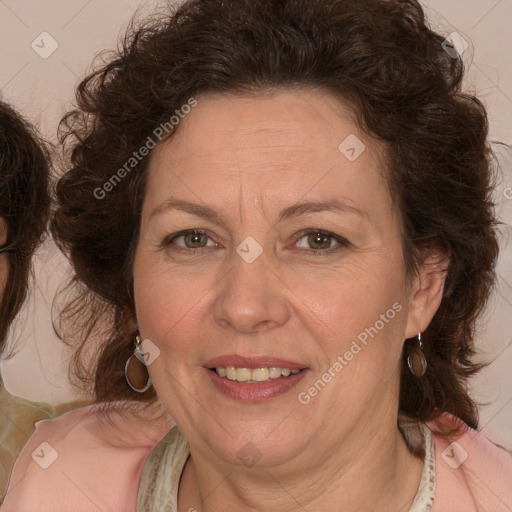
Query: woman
283, 210
24, 212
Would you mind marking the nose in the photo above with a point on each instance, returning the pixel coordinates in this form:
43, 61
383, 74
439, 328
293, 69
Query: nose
251, 297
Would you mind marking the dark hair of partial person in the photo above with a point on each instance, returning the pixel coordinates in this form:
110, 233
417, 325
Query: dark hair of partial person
24, 204
379, 57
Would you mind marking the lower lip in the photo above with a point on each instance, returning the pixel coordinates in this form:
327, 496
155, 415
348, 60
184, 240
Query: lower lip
255, 392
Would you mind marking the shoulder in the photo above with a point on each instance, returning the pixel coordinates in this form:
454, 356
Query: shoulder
472, 472
17, 423
89, 458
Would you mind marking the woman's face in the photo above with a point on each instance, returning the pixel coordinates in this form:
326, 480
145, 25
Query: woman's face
261, 177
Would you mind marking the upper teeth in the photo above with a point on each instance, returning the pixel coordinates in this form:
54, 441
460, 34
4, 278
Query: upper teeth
255, 374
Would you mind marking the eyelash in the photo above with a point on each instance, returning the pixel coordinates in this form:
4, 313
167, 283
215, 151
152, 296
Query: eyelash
316, 252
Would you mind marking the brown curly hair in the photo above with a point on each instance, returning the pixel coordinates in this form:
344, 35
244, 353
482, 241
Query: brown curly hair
24, 204
378, 56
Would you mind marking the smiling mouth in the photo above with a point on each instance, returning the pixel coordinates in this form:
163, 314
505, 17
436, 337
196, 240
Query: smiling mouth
254, 375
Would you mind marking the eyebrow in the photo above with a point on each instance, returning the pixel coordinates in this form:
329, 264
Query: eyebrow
295, 210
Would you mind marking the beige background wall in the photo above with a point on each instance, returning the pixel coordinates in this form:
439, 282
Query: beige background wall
40, 84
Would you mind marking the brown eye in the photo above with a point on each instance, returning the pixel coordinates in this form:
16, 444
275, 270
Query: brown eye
195, 240
188, 240
319, 242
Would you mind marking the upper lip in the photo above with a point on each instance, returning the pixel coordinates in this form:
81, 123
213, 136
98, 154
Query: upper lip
252, 362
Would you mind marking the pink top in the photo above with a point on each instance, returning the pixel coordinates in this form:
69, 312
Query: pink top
81, 463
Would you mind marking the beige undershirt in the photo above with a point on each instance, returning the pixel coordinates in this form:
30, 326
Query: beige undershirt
162, 472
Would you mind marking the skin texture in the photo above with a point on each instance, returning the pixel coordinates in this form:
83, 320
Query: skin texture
249, 158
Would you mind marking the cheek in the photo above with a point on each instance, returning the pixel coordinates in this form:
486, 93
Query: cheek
167, 302
354, 292
359, 310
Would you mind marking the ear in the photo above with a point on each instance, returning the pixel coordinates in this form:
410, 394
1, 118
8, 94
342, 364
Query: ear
426, 290
3, 231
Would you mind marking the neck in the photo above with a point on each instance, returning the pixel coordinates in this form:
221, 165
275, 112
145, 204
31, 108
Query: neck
370, 470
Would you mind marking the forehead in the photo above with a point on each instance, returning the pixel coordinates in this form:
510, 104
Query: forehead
285, 143
298, 120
